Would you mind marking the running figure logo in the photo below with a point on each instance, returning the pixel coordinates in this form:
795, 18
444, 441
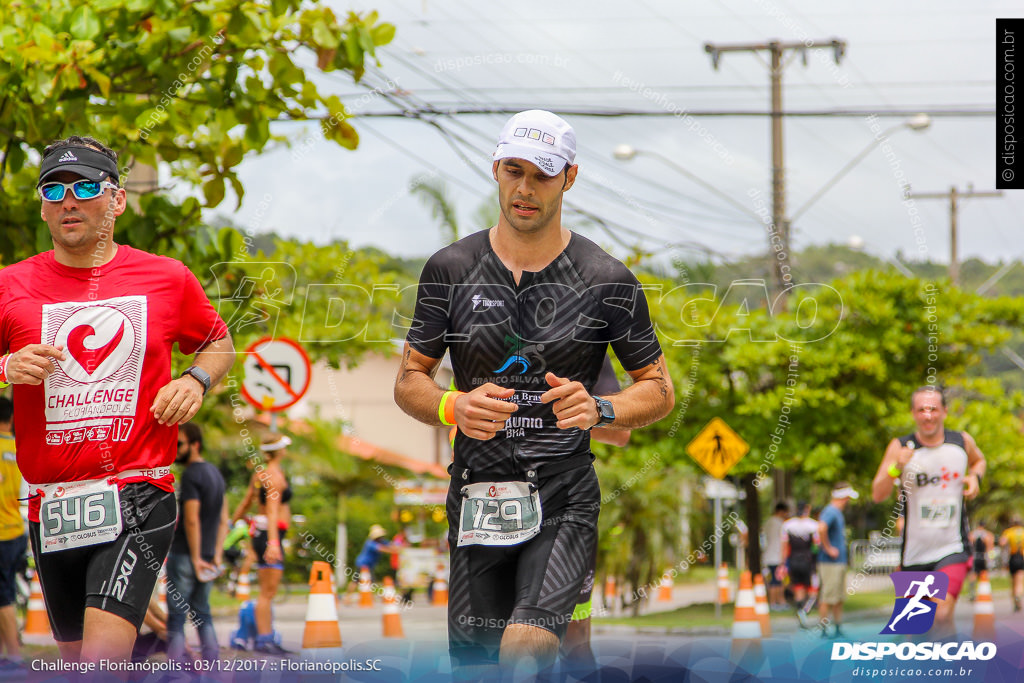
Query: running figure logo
914, 613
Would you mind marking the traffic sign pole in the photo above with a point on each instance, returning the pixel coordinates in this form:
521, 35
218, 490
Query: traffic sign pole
718, 550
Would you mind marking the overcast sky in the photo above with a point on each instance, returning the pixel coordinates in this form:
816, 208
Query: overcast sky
648, 56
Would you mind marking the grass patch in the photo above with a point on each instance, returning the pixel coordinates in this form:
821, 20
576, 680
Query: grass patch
702, 615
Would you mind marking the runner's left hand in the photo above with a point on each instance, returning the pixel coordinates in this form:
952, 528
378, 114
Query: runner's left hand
573, 405
272, 555
178, 401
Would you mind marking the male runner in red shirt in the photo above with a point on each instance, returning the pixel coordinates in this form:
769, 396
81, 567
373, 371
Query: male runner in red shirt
87, 331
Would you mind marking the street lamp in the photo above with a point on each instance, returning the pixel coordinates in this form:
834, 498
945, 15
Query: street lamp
628, 152
918, 122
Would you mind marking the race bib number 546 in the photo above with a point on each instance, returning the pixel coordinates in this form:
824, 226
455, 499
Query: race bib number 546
499, 513
77, 514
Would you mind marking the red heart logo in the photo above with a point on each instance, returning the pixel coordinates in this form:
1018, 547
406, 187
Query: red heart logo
90, 359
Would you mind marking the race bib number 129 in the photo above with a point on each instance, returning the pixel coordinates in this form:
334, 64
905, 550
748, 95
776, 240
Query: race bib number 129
499, 513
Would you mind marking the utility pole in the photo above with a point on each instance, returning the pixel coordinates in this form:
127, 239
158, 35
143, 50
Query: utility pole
776, 49
779, 242
954, 197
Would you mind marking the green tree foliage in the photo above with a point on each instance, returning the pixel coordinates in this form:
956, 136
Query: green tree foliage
195, 85
434, 195
822, 389
639, 523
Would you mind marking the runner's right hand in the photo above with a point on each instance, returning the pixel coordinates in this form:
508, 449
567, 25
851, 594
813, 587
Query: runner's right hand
31, 364
903, 456
480, 414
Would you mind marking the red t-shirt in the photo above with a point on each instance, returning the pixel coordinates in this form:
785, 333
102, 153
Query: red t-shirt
117, 323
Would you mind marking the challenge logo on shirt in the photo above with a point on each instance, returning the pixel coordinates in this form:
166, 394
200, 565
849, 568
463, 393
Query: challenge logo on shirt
93, 394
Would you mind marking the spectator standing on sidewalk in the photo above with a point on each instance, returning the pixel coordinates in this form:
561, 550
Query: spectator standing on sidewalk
772, 530
197, 548
13, 543
832, 558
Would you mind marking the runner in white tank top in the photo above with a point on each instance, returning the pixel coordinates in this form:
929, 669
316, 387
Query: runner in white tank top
936, 469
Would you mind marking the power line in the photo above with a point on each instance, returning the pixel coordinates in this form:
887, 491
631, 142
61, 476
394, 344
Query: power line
940, 111
488, 138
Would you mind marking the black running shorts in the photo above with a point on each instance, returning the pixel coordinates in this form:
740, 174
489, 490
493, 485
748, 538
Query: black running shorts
259, 546
117, 576
800, 571
536, 583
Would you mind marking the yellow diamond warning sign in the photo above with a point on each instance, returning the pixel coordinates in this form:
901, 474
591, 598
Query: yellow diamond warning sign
717, 448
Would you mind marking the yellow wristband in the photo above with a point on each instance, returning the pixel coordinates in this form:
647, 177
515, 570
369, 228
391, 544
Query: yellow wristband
446, 408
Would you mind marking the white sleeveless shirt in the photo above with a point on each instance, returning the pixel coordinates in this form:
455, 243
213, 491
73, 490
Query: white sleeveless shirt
936, 525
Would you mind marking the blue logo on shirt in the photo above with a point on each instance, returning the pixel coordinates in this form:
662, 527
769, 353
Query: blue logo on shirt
515, 359
518, 357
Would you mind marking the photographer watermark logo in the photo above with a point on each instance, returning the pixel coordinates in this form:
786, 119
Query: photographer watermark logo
914, 613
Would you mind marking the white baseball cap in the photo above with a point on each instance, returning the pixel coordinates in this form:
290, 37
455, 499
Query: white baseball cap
845, 492
540, 137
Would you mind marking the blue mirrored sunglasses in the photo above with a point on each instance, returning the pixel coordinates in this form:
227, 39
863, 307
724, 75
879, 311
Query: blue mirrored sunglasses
82, 189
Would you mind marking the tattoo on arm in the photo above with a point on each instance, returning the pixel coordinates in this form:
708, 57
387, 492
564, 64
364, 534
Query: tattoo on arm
660, 369
405, 366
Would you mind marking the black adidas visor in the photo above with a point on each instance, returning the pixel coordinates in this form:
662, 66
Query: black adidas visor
85, 161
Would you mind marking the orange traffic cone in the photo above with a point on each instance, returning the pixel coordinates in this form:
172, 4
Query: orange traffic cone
746, 648
392, 619
745, 624
723, 585
610, 592
984, 610
440, 587
365, 588
36, 621
761, 606
242, 587
665, 589
322, 628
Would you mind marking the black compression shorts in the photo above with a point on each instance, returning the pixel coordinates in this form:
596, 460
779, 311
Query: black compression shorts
536, 583
1016, 563
117, 576
800, 571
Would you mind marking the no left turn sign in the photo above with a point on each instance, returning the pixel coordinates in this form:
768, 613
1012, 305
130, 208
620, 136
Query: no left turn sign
277, 373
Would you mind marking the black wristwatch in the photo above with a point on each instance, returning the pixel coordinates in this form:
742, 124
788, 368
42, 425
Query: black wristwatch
200, 375
605, 411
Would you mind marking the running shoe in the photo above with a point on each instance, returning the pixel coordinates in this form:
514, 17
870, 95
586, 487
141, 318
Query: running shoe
272, 648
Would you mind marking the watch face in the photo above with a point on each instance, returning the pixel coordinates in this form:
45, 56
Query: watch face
606, 410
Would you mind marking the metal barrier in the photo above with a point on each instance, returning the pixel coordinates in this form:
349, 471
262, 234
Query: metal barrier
871, 562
